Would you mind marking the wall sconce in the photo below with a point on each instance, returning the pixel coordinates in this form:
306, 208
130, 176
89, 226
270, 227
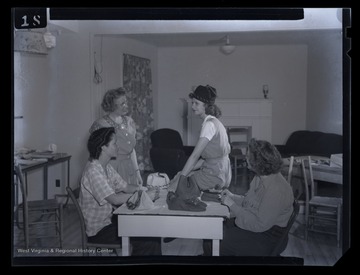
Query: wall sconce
265, 91
227, 48
50, 40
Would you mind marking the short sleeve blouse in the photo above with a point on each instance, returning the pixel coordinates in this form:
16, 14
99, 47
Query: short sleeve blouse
208, 129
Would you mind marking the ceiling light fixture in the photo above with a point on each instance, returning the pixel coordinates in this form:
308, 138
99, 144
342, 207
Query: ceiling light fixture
227, 48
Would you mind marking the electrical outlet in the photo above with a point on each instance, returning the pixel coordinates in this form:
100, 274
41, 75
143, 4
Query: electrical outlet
57, 183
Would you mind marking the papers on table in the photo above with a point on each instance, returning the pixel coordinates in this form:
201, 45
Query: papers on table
315, 160
45, 155
336, 160
30, 161
320, 161
35, 157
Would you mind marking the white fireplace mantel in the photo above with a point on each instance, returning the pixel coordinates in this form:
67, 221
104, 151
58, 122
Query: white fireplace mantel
254, 113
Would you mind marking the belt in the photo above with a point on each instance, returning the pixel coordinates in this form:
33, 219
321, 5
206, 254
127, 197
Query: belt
216, 160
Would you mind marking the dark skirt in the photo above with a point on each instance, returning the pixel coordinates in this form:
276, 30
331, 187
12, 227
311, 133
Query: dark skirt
240, 242
141, 246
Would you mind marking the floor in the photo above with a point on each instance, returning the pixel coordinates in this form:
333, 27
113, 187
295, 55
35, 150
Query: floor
318, 250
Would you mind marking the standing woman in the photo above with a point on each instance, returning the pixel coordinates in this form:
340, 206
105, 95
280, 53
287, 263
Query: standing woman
114, 103
209, 164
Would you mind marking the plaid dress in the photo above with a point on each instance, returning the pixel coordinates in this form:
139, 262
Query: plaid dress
95, 187
125, 141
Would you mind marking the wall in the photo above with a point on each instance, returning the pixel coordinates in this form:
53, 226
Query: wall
112, 48
52, 94
239, 75
56, 95
58, 99
324, 85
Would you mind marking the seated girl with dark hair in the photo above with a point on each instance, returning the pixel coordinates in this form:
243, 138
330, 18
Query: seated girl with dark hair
103, 189
258, 218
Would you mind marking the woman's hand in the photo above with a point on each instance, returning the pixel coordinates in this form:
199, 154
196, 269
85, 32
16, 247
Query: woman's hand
143, 188
139, 178
226, 198
227, 201
226, 192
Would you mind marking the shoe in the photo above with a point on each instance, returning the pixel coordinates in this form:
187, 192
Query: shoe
167, 240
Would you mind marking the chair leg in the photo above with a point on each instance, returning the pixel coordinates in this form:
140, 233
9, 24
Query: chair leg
61, 225
306, 221
338, 236
17, 218
26, 230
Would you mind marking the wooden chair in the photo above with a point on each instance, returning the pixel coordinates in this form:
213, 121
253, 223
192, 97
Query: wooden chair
292, 161
322, 213
237, 147
74, 195
291, 166
39, 216
281, 246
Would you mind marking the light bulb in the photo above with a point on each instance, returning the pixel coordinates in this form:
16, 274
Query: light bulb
227, 48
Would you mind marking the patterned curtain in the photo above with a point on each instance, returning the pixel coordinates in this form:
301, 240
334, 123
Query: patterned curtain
137, 82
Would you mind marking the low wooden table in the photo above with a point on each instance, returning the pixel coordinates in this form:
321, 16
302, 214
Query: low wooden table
321, 170
162, 222
35, 164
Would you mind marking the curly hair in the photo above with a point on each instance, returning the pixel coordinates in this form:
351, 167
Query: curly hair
263, 157
97, 139
212, 109
109, 98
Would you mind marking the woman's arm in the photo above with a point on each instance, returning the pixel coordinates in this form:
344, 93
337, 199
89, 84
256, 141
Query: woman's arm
121, 197
198, 164
136, 167
118, 199
238, 199
132, 130
194, 157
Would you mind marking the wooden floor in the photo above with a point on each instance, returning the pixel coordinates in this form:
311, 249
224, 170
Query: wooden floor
318, 250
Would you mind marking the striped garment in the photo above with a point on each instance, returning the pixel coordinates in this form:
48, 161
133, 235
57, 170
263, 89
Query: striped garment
95, 187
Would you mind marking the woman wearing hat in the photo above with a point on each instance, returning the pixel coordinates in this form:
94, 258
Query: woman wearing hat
209, 164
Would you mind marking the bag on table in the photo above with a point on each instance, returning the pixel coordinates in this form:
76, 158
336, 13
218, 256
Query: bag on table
160, 180
211, 196
140, 200
186, 196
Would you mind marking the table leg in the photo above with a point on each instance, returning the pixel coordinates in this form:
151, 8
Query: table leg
68, 181
125, 246
235, 165
45, 180
16, 209
216, 247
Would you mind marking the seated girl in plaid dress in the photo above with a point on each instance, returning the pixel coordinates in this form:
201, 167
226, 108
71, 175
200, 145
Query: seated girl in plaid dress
102, 190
